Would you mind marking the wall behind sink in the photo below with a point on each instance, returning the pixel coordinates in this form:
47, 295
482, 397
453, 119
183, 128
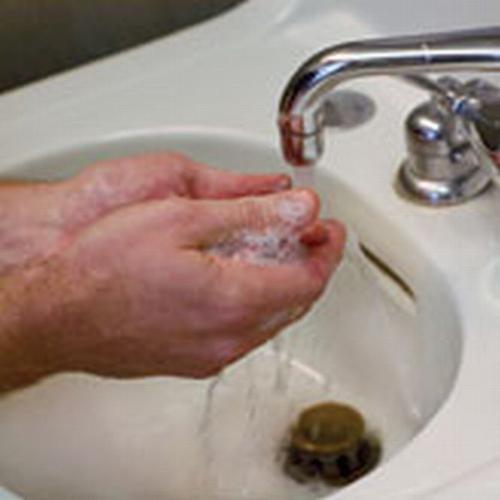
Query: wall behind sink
42, 37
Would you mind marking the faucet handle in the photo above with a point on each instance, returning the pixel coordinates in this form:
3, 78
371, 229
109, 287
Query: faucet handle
482, 109
477, 101
453, 143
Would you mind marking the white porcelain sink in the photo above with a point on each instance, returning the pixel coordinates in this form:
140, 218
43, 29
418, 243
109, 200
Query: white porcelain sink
422, 369
368, 343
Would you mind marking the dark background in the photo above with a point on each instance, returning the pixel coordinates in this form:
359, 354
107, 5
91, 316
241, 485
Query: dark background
42, 37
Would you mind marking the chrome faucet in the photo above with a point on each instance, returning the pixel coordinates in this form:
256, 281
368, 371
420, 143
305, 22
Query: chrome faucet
451, 139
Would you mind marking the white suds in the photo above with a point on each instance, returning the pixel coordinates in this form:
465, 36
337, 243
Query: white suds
264, 248
294, 211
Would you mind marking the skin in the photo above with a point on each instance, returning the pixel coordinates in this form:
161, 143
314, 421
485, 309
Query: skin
111, 272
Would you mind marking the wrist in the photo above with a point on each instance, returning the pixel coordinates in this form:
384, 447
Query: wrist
28, 347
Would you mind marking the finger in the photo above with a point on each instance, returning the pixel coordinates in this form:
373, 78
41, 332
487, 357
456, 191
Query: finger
323, 259
316, 234
211, 183
264, 300
266, 290
106, 186
222, 220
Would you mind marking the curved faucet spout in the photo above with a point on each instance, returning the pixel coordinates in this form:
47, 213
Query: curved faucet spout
301, 119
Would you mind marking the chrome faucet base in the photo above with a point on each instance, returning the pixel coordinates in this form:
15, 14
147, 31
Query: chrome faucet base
446, 163
441, 192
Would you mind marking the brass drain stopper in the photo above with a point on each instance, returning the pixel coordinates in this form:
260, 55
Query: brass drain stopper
329, 442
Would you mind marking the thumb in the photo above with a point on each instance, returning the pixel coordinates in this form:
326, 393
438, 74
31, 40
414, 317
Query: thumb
218, 221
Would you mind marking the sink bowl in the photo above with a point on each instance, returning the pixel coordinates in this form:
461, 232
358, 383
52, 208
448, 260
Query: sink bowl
380, 339
407, 331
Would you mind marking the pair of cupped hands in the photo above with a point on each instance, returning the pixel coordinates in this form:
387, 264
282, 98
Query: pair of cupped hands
110, 272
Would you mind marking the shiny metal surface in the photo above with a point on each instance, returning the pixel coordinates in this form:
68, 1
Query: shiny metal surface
483, 111
301, 120
446, 163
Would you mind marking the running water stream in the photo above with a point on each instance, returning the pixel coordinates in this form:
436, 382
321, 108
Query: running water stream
302, 178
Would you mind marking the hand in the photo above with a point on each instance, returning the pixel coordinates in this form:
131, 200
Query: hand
139, 293
159, 287
35, 218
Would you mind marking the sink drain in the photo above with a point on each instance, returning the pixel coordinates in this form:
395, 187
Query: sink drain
329, 443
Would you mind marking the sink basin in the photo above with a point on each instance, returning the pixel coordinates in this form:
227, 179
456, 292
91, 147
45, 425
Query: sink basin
407, 331
374, 341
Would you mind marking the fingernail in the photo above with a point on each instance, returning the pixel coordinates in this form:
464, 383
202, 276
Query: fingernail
315, 235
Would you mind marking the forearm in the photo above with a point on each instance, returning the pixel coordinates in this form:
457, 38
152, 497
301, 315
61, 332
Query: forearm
30, 223
26, 353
